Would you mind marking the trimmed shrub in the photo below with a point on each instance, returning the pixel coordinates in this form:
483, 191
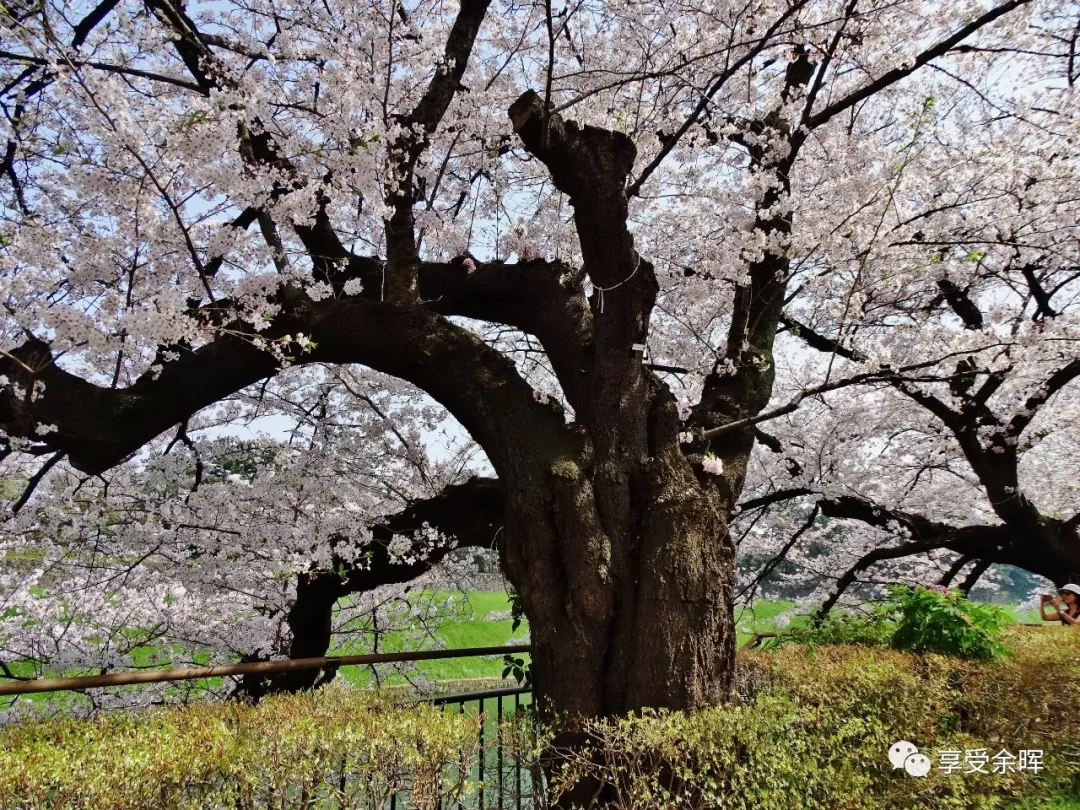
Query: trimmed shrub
815, 725
333, 749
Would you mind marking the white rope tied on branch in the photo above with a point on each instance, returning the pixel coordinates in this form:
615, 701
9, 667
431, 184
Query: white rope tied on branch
602, 290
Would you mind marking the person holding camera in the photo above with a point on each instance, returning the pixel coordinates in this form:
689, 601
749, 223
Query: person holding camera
1066, 606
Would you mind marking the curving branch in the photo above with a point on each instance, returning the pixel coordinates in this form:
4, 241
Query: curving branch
954, 570
989, 544
781, 555
875, 556
778, 496
471, 514
105, 67
1054, 383
974, 575
816, 340
98, 427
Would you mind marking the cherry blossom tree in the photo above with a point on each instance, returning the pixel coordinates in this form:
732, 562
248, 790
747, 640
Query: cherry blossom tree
610, 239
216, 549
978, 467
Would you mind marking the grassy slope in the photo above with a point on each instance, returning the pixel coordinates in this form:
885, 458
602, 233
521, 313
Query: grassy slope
478, 632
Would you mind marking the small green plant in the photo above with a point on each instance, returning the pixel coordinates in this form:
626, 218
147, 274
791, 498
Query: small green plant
941, 621
514, 665
871, 627
517, 667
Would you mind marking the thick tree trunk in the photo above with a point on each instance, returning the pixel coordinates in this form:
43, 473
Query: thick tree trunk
626, 574
653, 628
620, 549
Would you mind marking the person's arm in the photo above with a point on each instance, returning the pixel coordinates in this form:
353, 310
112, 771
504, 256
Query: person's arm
1044, 600
1064, 615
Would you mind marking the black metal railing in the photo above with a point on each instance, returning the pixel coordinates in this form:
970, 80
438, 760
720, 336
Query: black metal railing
507, 765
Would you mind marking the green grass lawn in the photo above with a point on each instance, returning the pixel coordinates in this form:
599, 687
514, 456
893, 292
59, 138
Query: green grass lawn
477, 632
471, 632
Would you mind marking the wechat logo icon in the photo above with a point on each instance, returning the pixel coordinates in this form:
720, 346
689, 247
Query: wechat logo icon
905, 755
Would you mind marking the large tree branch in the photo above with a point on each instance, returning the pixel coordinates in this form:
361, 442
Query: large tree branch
895, 75
961, 304
778, 496
402, 252
1054, 383
883, 375
921, 529
188, 43
741, 382
816, 340
983, 542
954, 570
469, 514
431, 108
88, 23
974, 575
848, 578
590, 165
537, 297
1045, 555
587, 164
98, 427
995, 459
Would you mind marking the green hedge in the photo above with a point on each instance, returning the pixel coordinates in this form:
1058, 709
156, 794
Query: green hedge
810, 731
336, 748
814, 726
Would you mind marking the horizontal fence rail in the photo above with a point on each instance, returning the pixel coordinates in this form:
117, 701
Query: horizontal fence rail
755, 640
77, 683
80, 682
